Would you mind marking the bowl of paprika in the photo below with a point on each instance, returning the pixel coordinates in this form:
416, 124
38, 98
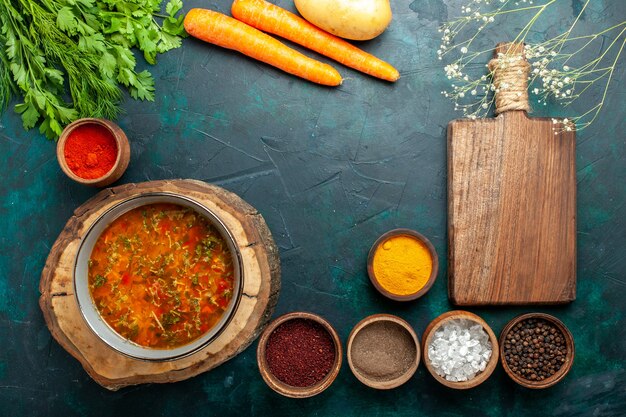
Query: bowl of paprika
93, 151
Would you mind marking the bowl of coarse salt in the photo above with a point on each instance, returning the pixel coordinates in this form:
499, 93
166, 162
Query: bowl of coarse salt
459, 349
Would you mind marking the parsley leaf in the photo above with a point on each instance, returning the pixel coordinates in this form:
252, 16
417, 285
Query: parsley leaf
107, 65
169, 319
173, 7
99, 281
143, 87
30, 115
66, 20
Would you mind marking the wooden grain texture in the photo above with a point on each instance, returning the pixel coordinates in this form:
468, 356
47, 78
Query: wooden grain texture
511, 211
261, 285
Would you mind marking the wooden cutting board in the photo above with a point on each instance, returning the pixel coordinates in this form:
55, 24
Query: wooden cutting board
511, 211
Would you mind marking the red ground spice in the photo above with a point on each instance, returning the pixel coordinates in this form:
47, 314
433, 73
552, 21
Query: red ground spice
90, 151
300, 352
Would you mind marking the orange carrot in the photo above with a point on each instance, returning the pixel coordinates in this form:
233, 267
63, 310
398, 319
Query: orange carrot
273, 19
224, 31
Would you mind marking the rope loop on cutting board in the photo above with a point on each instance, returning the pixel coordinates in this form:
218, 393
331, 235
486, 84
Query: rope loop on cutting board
510, 78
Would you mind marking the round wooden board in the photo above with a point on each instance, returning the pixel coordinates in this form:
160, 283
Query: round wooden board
261, 268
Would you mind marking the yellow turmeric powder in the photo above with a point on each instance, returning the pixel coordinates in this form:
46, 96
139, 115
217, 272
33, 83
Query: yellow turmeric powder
402, 265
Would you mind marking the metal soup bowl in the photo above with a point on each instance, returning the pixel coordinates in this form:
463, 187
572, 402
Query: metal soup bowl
88, 308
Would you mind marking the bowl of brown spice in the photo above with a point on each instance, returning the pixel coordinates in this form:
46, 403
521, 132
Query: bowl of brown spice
299, 355
383, 351
536, 350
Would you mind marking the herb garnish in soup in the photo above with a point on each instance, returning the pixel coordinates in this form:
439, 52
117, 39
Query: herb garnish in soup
161, 275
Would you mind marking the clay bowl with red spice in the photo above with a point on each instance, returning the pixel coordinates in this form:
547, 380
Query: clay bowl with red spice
78, 133
418, 237
565, 367
317, 344
428, 337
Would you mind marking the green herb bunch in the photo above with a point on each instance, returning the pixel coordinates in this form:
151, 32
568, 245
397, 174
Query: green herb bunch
70, 58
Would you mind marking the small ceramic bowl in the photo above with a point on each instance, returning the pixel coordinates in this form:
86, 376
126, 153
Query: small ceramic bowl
370, 380
286, 389
381, 240
569, 358
454, 315
121, 162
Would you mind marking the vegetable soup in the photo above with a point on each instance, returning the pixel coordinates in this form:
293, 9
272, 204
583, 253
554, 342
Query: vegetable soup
161, 275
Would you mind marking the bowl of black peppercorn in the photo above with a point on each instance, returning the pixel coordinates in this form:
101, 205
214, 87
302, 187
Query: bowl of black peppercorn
536, 350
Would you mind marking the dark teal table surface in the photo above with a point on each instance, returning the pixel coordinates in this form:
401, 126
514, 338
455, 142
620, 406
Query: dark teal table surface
330, 170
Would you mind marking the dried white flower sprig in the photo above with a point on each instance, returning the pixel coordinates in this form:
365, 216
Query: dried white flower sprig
556, 71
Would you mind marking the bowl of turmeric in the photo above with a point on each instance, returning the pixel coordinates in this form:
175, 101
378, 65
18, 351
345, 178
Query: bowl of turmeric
402, 265
93, 151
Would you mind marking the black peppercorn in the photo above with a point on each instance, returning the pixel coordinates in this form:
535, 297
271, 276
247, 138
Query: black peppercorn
535, 349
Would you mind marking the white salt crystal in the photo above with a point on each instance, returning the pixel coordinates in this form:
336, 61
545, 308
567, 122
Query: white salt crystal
459, 350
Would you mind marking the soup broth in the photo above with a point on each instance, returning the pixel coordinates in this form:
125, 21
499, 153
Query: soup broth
161, 275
